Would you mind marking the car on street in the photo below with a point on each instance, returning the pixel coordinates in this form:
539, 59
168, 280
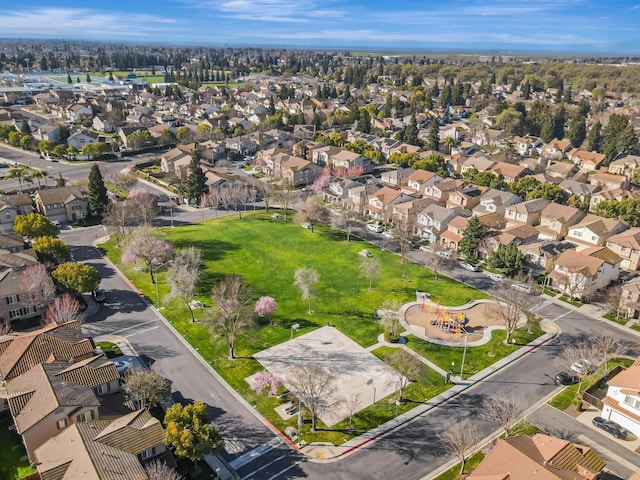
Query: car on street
374, 227
122, 365
496, 277
426, 248
336, 211
387, 234
611, 427
98, 295
583, 367
56, 222
444, 254
468, 266
523, 287
565, 378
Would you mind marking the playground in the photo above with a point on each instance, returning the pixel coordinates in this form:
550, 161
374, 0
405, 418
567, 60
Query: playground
452, 324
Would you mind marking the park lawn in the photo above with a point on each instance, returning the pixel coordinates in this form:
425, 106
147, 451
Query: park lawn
477, 358
11, 467
267, 253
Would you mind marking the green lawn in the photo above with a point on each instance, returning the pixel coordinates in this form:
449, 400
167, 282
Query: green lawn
111, 350
611, 317
267, 253
477, 358
635, 327
11, 467
470, 464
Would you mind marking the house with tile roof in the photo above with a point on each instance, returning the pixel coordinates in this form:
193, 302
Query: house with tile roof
64, 204
450, 238
526, 212
495, 201
555, 220
582, 190
585, 159
624, 164
627, 246
10, 207
631, 297
594, 230
622, 403
540, 456
433, 220
609, 181
540, 256
103, 449
509, 171
419, 180
382, 201
579, 274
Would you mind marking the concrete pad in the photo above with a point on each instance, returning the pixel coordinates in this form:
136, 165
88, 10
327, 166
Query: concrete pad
350, 365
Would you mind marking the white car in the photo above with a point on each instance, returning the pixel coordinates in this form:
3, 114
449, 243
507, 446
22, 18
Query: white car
374, 227
523, 287
582, 367
387, 234
468, 266
56, 222
426, 248
444, 254
336, 211
496, 277
122, 366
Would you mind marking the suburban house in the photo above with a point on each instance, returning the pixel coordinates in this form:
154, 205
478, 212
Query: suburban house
466, 198
579, 274
10, 207
358, 196
627, 246
622, 403
440, 191
612, 194
168, 159
432, 221
419, 180
510, 235
610, 181
581, 190
80, 139
542, 457
540, 257
396, 177
594, 231
585, 159
526, 212
103, 124
404, 214
20, 352
631, 297
322, 156
477, 162
450, 238
556, 149
495, 201
509, 172
561, 169
298, 171
103, 449
64, 204
555, 220
381, 203
528, 145
51, 396
337, 192
344, 159
625, 165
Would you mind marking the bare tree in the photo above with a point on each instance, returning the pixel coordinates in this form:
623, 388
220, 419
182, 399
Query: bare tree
237, 196
284, 195
63, 309
145, 246
158, 470
233, 310
616, 301
505, 411
347, 221
584, 357
609, 347
370, 269
513, 303
405, 369
305, 280
312, 211
183, 276
118, 219
144, 204
435, 262
460, 440
36, 282
389, 315
352, 402
268, 193
147, 388
313, 385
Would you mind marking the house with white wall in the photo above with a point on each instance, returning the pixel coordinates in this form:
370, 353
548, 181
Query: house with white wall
622, 403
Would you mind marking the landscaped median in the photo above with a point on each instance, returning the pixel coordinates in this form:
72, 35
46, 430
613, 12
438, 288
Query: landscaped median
266, 253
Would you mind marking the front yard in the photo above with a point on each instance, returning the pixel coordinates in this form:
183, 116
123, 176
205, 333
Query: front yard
12, 467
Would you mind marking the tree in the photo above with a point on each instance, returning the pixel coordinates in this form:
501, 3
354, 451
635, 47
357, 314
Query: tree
143, 245
146, 388
512, 306
63, 309
389, 315
118, 218
508, 259
196, 180
505, 411
364, 122
313, 385
616, 301
77, 277
51, 249
471, 236
36, 283
265, 306
265, 380
582, 351
305, 280
17, 171
433, 137
353, 402
618, 136
96, 192
34, 225
94, 150
460, 440
405, 369
284, 195
312, 211
577, 131
549, 191
25, 128
347, 221
158, 470
183, 276
190, 432
144, 204
410, 135
370, 269
609, 348
232, 312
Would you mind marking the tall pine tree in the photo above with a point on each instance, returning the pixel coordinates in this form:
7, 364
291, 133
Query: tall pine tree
433, 138
196, 181
97, 192
471, 237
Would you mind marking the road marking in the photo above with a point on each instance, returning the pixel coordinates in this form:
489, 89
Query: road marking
285, 470
141, 331
133, 326
263, 467
560, 316
233, 446
251, 455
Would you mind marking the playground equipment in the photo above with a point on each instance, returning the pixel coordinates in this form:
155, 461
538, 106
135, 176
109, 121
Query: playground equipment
449, 324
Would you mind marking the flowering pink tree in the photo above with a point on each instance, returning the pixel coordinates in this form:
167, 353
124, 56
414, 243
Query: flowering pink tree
321, 183
149, 249
265, 306
263, 380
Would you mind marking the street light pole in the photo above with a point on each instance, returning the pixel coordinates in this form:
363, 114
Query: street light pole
295, 326
171, 210
464, 354
370, 382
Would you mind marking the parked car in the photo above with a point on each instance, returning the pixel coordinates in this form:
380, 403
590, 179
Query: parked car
122, 366
336, 211
523, 287
611, 427
565, 378
468, 266
496, 277
374, 227
426, 248
98, 295
444, 254
56, 222
583, 366
387, 234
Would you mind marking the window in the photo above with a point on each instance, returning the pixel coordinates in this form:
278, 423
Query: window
61, 424
104, 388
149, 452
11, 299
634, 402
85, 417
14, 314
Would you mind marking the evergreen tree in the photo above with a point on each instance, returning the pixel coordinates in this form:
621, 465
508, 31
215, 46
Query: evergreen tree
97, 192
364, 122
471, 237
594, 138
69, 80
24, 127
433, 138
88, 78
577, 131
410, 135
196, 181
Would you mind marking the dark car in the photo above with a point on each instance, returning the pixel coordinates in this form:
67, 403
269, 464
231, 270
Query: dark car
565, 378
98, 295
611, 427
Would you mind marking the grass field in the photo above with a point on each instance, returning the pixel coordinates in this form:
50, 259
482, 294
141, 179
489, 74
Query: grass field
267, 253
11, 467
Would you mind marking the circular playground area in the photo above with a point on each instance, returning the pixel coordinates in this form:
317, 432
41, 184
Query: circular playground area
433, 321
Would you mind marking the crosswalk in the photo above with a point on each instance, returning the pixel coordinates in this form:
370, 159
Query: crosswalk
251, 455
268, 461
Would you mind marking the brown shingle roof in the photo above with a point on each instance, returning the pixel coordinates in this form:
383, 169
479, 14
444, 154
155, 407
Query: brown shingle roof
60, 195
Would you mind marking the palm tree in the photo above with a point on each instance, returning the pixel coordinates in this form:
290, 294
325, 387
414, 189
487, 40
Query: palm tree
20, 172
449, 143
38, 175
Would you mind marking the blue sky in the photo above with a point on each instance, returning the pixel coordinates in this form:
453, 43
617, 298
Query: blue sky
563, 26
